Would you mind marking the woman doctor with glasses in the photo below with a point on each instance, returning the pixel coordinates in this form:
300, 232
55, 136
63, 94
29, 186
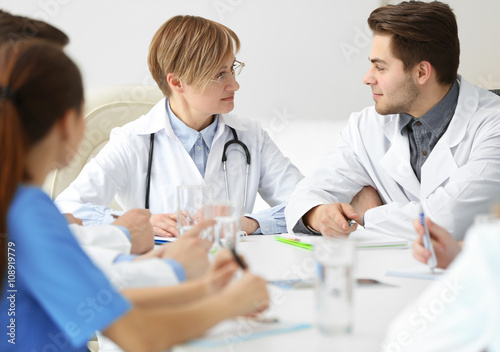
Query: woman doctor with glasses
192, 59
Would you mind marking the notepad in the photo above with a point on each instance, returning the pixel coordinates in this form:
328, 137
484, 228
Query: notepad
311, 282
421, 272
367, 239
294, 283
243, 329
364, 240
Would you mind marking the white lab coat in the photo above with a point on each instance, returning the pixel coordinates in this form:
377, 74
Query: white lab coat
121, 167
460, 312
460, 179
105, 242
104, 236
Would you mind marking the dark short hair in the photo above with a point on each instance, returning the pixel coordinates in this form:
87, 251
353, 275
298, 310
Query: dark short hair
15, 28
421, 31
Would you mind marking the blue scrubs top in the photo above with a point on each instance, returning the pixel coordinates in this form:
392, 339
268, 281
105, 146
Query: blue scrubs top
54, 297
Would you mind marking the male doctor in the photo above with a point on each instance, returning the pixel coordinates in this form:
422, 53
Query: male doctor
432, 138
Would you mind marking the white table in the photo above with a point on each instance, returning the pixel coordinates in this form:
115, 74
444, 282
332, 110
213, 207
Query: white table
374, 307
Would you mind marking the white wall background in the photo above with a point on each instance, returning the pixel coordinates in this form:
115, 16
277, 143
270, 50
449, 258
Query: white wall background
305, 59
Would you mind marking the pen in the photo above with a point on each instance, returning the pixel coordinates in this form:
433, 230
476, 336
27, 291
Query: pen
432, 262
238, 259
266, 320
350, 222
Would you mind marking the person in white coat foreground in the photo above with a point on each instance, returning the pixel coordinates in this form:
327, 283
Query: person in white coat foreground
460, 312
110, 246
432, 138
193, 62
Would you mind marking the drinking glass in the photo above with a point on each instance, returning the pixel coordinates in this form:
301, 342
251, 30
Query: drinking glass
227, 216
191, 206
334, 285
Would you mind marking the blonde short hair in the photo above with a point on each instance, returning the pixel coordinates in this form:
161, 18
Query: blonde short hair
193, 48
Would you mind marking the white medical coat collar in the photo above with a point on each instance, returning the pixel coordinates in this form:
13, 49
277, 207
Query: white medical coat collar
397, 159
157, 119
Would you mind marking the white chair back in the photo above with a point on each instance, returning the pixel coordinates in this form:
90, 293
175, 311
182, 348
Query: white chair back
105, 108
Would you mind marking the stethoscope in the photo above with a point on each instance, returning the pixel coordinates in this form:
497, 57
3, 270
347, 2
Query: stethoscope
235, 140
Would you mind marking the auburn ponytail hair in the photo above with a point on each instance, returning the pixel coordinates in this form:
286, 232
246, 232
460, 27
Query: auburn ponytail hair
11, 168
38, 85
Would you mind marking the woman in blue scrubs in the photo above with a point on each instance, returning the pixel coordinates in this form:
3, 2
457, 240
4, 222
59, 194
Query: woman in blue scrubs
53, 297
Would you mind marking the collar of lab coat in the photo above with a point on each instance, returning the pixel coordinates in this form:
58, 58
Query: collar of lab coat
467, 104
441, 161
157, 119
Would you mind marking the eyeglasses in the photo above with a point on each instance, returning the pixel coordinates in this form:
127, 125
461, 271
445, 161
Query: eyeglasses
235, 70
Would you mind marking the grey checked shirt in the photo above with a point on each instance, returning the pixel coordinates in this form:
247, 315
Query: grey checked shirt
425, 132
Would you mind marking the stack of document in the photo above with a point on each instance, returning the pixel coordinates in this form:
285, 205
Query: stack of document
364, 240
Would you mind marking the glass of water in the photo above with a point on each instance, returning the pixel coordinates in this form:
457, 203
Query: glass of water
335, 260
192, 201
227, 216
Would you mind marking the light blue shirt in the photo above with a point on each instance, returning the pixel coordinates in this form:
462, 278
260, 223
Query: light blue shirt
197, 144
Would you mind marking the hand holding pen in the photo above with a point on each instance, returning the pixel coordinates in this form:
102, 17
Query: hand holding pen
241, 263
446, 248
332, 220
431, 261
238, 260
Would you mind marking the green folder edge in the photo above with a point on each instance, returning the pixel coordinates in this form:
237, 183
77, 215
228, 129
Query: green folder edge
310, 247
